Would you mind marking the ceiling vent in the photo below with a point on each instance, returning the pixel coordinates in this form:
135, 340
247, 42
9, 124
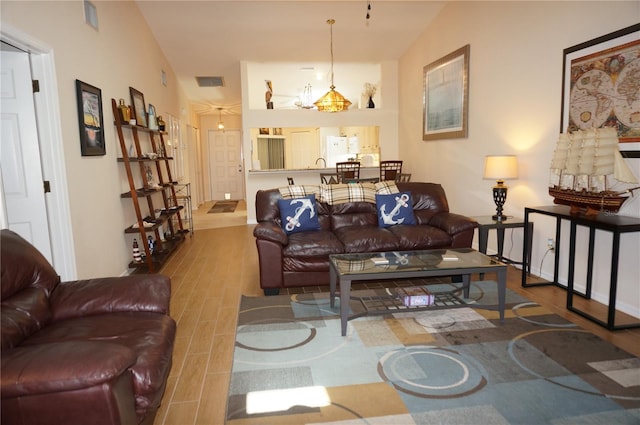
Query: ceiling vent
210, 81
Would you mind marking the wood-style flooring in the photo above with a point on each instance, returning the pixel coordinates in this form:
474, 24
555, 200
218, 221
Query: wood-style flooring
210, 271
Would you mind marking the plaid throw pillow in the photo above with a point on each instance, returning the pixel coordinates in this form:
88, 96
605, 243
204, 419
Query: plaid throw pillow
334, 194
386, 187
298, 191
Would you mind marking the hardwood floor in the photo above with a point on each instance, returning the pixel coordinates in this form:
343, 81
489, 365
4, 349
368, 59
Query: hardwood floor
209, 272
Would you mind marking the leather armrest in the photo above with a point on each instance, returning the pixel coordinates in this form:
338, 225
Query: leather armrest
63, 366
270, 231
150, 293
453, 223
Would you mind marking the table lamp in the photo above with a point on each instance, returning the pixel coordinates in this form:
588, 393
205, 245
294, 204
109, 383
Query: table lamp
500, 168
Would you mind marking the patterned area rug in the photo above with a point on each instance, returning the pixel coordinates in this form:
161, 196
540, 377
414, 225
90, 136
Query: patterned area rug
453, 366
223, 207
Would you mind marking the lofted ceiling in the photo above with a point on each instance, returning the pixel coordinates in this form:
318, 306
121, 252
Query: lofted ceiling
211, 37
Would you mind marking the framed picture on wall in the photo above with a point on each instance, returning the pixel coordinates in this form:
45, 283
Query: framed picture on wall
600, 84
446, 96
89, 100
139, 110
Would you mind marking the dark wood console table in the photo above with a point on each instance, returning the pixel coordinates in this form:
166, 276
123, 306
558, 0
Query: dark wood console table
603, 221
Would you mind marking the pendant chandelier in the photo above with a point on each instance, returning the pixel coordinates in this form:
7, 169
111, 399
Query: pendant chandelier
332, 101
220, 123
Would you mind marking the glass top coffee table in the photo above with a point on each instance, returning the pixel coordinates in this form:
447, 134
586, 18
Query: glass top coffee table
347, 268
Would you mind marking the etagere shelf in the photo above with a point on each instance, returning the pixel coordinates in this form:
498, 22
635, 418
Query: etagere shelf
163, 224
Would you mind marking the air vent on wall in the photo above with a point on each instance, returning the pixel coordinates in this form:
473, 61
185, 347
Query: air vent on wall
210, 81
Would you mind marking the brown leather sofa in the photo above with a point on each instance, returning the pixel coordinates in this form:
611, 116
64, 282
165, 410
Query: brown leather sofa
87, 352
302, 259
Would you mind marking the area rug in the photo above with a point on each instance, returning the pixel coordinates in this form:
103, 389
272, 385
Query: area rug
453, 366
223, 207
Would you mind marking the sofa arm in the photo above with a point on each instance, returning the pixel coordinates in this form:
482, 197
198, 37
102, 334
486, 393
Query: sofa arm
270, 231
453, 223
63, 366
150, 293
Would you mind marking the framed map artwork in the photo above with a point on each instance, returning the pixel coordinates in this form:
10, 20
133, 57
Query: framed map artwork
601, 84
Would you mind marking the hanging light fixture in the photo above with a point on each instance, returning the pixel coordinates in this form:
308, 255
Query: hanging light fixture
220, 123
332, 101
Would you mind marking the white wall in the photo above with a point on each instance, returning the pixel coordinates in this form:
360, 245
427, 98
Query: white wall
515, 85
122, 53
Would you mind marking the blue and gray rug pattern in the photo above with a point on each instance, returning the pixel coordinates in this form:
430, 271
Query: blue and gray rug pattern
452, 366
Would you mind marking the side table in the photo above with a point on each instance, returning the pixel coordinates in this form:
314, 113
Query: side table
612, 223
486, 223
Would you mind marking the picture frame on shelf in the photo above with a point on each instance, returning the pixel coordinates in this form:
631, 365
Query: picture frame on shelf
90, 120
446, 96
594, 76
264, 131
139, 110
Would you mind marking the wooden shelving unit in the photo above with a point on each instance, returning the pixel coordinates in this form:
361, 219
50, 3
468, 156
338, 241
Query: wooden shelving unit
164, 223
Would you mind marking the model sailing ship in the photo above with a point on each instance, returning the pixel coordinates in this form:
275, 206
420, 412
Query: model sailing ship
588, 172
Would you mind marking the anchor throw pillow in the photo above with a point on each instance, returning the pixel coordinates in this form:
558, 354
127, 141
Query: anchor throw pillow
299, 214
396, 208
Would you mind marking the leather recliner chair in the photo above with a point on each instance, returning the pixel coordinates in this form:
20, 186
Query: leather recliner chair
88, 352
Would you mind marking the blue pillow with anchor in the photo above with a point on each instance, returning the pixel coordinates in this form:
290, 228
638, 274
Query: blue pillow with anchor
396, 208
299, 214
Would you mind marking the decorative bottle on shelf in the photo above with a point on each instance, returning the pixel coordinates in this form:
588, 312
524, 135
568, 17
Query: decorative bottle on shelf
161, 123
125, 111
370, 104
137, 257
152, 244
153, 123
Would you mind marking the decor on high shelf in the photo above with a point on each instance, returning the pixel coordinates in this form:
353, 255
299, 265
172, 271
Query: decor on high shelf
600, 84
161, 124
153, 122
446, 96
306, 102
220, 123
125, 111
332, 101
500, 168
368, 92
268, 94
138, 107
264, 131
588, 172
89, 100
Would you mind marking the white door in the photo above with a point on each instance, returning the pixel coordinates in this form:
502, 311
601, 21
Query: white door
226, 174
22, 182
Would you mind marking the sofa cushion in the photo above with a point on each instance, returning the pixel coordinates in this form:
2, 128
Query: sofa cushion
23, 314
149, 335
420, 237
26, 287
319, 243
367, 239
299, 214
395, 209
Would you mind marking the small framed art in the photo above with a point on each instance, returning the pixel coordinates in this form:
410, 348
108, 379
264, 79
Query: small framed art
139, 111
89, 100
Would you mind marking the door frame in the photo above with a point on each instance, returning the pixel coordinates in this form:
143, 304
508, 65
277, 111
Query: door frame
52, 153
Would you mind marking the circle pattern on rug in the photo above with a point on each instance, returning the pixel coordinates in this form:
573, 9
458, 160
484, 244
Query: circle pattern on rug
431, 372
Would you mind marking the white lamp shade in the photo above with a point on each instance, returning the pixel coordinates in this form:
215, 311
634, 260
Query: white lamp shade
501, 167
